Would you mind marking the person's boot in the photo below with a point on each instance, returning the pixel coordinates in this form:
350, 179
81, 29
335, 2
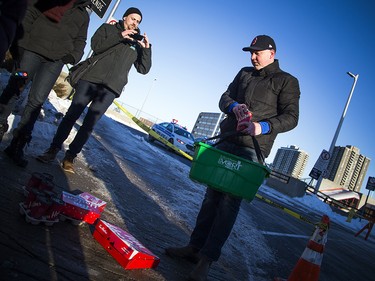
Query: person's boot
49, 155
67, 163
188, 252
201, 270
3, 129
15, 150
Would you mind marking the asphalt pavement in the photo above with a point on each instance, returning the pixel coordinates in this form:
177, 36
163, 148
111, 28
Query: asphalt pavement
68, 252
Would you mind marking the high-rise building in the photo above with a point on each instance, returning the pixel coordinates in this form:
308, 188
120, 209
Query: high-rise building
347, 167
290, 161
207, 124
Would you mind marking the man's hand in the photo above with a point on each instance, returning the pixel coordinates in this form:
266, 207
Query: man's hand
243, 116
68, 59
240, 111
145, 43
126, 34
251, 128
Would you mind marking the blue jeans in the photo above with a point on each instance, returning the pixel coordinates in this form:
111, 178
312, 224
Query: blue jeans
43, 73
100, 97
218, 212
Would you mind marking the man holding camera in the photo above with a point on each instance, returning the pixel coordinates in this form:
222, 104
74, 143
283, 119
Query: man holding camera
262, 101
116, 51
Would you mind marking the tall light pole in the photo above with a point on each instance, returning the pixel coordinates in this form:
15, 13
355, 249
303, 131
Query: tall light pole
107, 20
149, 91
333, 143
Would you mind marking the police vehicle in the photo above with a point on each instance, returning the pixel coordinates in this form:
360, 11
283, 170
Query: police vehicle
176, 135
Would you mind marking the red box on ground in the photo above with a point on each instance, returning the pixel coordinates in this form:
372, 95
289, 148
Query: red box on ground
82, 208
93, 201
123, 247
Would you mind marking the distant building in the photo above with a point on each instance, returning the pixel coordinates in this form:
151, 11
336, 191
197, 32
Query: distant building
347, 167
290, 161
207, 124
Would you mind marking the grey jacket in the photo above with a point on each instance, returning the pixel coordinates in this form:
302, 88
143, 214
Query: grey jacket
271, 94
54, 40
117, 57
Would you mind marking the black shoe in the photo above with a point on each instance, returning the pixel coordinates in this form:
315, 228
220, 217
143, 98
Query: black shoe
200, 272
3, 129
49, 155
18, 159
15, 150
188, 253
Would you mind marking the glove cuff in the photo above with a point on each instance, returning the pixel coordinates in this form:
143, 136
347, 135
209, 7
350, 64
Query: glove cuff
265, 126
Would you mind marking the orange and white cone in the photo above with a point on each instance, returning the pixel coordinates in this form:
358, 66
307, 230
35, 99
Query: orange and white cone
308, 266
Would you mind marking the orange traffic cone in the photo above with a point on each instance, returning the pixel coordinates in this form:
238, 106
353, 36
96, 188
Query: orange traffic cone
308, 266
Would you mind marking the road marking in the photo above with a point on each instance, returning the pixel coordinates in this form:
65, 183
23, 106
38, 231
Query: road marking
284, 234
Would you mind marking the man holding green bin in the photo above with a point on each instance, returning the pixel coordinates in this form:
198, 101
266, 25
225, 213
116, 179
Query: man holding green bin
261, 102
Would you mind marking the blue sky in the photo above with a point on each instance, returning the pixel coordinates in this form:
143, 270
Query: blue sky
197, 51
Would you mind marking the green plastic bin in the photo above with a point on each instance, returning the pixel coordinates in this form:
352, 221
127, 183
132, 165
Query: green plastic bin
227, 172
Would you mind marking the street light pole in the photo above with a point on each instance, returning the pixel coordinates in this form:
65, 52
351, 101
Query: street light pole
149, 91
107, 20
344, 112
333, 143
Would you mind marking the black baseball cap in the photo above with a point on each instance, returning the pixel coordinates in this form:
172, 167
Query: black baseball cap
260, 43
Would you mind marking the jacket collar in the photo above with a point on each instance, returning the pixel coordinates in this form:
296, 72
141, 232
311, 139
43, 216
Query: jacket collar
120, 25
269, 69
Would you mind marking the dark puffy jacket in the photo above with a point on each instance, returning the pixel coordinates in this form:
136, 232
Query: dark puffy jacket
54, 40
119, 55
271, 94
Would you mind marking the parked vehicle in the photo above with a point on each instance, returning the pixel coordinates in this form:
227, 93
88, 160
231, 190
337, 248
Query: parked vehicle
176, 135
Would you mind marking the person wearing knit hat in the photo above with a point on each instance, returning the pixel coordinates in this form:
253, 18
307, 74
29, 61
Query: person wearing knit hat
133, 10
131, 20
116, 49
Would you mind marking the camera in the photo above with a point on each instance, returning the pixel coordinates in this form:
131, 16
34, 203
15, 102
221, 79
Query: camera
137, 36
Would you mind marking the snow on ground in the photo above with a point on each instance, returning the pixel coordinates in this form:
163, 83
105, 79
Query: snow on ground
54, 106
184, 214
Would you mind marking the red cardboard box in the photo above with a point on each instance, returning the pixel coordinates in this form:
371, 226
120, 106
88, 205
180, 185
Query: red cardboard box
82, 208
93, 201
126, 249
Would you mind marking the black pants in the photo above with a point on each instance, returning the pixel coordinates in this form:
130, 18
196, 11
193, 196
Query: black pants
43, 73
100, 97
218, 212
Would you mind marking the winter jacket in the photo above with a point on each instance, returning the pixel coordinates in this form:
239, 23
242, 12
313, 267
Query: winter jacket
271, 94
120, 54
52, 39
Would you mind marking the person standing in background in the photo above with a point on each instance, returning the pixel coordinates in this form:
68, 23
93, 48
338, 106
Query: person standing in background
55, 34
116, 49
11, 14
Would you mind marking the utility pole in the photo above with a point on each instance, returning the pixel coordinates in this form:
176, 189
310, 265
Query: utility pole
333, 143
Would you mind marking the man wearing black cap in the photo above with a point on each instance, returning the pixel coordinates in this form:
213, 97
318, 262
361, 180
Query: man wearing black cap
262, 101
116, 50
